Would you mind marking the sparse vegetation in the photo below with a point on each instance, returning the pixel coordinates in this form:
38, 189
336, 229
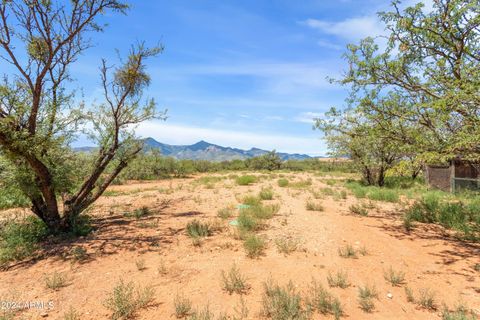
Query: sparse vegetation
234, 282
323, 301
246, 180
254, 246
183, 306
282, 182
140, 264
426, 299
358, 209
339, 279
366, 295
56, 280
395, 278
226, 212
197, 229
347, 251
266, 194
282, 303
314, 206
287, 245
126, 299
461, 312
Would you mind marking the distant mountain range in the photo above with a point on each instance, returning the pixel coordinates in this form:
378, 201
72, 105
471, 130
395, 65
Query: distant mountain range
203, 150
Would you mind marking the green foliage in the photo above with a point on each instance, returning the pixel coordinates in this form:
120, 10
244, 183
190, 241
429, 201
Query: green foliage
395, 278
197, 229
183, 306
269, 161
461, 312
266, 194
339, 279
314, 206
358, 209
19, 239
287, 245
251, 200
254, 246
282, 303
283, 182
460, 215
234, 281
226, 212
56, 281
347, 251
323, 301
246, 180
366, 294
126, 299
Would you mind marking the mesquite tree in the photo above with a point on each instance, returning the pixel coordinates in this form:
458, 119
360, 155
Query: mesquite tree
39, 116
431, 64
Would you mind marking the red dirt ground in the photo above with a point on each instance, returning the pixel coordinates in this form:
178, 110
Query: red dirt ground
429, 258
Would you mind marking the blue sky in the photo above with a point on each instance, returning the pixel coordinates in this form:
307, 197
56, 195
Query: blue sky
249, 73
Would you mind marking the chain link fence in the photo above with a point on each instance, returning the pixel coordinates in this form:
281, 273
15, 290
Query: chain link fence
465, 184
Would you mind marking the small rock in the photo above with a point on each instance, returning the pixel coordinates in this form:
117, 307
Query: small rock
389, 295
44, 315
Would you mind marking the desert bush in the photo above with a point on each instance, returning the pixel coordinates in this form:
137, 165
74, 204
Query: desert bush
282, 182
254, 246
339, 279
183, 306
246, 180
19, 239
282, 303
395, 278
140, 264
79, 254
358, 209
126, 299
287, 245
251, 200
426, 299
12, 197
347, 251
323, 301
314, 206
366, 294
56, 280
226, 212
197, 229
138, 213
409, 294
301, 184
71, 314
461, 215
380, 194
247, 222
234, 282
461, 312
266, 194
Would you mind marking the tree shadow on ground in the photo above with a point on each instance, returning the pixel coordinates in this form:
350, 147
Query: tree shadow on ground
112, 234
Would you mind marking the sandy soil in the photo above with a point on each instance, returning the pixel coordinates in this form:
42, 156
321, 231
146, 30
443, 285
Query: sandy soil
174, 265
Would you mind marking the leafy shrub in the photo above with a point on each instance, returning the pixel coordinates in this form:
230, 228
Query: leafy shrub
183, 306
19, 240
323, 301
56, 281
283, 182
226, 213
247, 222
314, 206
395, 278
266, 194
234, 281
426, 299
340, 280
358, 209
347, 251
287, 245
246, 180
460, 313
380, 194
197, 229
254, 246
282, 303
126, 299
366, 295
251, 200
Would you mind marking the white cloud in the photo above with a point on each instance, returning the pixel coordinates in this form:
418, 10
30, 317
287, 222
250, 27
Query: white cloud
184, 134
309, 117
329, 45
351, 29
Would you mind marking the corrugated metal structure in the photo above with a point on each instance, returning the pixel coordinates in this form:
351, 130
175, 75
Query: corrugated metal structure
455, 176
